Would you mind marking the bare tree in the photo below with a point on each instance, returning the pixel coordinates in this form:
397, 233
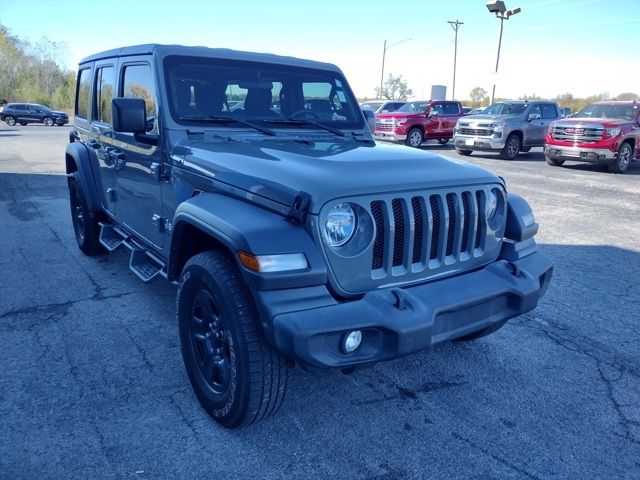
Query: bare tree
477, 96
395, 88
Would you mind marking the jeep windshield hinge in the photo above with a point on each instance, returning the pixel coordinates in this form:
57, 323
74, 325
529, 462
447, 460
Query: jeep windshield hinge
299, 207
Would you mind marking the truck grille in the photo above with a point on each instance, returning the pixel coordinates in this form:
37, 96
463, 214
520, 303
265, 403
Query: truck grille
476, 132
427, 231
384, 126
577, 133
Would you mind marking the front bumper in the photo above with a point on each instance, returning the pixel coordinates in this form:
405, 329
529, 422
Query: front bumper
580, 154
399, 321
486, 144
389, 136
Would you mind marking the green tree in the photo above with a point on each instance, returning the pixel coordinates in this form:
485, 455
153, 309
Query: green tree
627, 96
395, 88
477, 96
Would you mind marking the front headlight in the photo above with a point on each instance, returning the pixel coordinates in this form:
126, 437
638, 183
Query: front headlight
497, 126
490, 204
340, 225
612, 132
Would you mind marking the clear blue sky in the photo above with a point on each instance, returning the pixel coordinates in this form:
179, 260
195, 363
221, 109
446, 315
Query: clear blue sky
553, 46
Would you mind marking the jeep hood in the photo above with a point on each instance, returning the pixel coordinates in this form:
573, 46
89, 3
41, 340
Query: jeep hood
279, 168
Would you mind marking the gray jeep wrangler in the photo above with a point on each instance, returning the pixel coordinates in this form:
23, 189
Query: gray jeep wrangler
252, 182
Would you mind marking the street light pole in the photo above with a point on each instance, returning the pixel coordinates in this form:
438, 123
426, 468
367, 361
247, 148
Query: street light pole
498, 7
455, 25
384, 53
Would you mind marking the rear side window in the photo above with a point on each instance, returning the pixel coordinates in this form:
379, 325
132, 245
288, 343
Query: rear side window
549, 110
82, 93
451, 109
105, 83
138, 83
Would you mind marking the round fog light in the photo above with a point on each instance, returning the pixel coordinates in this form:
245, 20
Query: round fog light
352, 341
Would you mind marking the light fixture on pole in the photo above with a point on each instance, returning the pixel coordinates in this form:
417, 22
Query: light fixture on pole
455, 25
384, 53
499, 8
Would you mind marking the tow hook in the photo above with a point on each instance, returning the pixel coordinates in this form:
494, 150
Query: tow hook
515, 269
400, 302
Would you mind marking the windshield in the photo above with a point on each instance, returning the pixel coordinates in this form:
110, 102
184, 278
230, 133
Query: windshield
413, 107
611, 110
371, 105
505, 109
202, 89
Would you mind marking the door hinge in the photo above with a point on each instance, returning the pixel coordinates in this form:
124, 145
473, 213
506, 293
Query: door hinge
112, 194
160, 172
162, 224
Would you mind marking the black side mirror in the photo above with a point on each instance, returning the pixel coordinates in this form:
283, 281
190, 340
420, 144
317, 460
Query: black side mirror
370, 117
128, 115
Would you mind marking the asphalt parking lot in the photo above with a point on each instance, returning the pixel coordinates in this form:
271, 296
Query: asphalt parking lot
92, 383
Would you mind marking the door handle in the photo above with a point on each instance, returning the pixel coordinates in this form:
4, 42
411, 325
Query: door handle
116, 158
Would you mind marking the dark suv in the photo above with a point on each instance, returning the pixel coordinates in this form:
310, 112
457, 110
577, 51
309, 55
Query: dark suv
291, 235
24, 113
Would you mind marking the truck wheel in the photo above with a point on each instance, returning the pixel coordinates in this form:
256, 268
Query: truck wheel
236, 376
623, 160
85, 222
414, 138
10, 121
464, 153
511, 147
48, 121
553, 162
443, 141
481, 333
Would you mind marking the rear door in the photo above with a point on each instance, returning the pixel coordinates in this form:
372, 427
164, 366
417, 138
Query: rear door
139, 165
100, 134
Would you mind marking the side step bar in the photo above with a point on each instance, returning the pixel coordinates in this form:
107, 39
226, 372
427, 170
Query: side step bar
143, 262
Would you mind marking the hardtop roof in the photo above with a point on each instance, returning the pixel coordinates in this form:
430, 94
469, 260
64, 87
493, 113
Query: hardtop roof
222, 53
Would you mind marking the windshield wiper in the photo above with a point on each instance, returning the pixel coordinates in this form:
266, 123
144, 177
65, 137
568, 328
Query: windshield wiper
302, 121
213, 119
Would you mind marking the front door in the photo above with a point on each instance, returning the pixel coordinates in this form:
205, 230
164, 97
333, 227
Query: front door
138, 170
537, 129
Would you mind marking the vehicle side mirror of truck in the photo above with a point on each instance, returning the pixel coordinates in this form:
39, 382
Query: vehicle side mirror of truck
370, 117
129, 115
534, 116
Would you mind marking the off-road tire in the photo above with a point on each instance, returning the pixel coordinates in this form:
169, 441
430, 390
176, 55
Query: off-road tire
48, 121
10, 121
415, 138
511, 147
553, 162
85, 223
623, 160
464, 153
237, 377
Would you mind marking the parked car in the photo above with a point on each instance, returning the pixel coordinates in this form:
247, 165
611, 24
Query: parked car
418, 121
292, 237
475, 111
603, 132
565, 112
382, 107
24, 113
505, 127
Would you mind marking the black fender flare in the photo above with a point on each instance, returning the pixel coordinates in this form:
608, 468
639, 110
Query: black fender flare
78, 159
242, 226
521, 223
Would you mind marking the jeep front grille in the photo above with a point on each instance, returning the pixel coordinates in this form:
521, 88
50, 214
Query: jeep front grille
577, 133
427, 231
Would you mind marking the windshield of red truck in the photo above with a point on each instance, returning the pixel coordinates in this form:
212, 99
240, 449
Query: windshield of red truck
414, 107
611, 110
505, 109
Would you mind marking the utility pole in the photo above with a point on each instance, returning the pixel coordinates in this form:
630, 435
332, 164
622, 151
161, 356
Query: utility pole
455, 25
384, 53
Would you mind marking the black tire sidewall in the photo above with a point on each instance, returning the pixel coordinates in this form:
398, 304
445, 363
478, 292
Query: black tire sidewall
87, 236
510, 138
414, 129
229, 407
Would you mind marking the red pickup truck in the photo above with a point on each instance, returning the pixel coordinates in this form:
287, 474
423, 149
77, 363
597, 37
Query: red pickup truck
418, 121
604, 132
